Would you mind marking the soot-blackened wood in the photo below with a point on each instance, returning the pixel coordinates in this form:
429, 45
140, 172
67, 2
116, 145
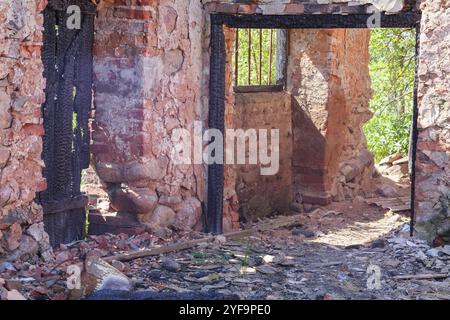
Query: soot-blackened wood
216, 121
48, 109
414, 134
67, 59
82, 101
315, 21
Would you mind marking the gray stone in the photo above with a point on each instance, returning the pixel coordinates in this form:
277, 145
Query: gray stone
267, 269
444, 228
308, 207
297, 207
305, 232
446, 250
7, 266
434, 252
189, 214
387, 191
421, 256
28, 248
170, 265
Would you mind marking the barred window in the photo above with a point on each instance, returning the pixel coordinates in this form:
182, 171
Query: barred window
259, 60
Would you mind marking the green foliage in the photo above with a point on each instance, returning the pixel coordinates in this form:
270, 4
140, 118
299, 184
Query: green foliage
243, 55
202, 258
392, 68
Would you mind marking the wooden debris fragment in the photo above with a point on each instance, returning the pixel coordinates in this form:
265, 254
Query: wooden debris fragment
398, 204
422, 276
174, 247
264, 226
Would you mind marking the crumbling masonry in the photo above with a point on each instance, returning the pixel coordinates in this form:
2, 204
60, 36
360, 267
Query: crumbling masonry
151, 75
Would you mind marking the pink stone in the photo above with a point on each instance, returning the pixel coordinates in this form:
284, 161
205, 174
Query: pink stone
189, 214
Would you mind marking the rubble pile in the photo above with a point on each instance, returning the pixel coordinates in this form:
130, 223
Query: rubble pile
327, 254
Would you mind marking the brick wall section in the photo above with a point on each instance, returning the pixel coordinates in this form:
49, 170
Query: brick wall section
148, 72
260, 196
328, 78
21, 95
433, 163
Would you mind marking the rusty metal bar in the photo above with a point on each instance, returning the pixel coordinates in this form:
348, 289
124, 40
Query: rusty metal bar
249, 58
236, 59
270, 56
260, 56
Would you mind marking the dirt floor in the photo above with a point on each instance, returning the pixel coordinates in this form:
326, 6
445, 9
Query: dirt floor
323, 255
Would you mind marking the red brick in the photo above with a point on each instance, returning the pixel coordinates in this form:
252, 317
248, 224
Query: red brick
132, 14
33, 129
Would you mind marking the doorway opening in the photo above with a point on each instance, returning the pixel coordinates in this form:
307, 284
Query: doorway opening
320, 110
390, 130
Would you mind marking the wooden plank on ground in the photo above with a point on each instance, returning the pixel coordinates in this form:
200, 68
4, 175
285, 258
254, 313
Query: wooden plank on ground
265, 226
401, 208
422, 276
394, 204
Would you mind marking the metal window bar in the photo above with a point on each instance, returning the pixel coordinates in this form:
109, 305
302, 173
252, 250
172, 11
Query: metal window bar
256, 72
249, 56
270, 55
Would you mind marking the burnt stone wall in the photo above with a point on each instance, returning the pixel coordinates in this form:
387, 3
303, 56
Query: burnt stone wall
148, 76
22, 232
433, 156
151, 76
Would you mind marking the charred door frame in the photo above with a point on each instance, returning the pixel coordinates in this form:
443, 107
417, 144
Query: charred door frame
303, 21
67, 60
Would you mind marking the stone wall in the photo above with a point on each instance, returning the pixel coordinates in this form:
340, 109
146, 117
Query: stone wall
258, 195
433, 156
151, 76
22, 232
328, 78
148, 76
177, 56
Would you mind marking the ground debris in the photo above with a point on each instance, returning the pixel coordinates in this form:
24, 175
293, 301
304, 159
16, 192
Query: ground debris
269, 261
